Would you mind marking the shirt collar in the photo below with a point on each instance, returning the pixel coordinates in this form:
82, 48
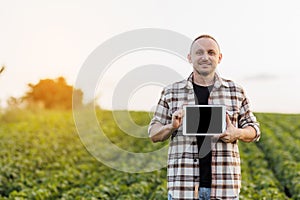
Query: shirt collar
218, 82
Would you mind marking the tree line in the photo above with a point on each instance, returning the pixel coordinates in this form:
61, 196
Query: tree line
48, 94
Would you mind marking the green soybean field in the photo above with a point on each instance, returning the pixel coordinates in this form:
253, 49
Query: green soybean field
42, 157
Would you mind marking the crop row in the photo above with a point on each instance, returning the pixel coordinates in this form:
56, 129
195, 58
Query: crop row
257, 178
278, 151
42, 157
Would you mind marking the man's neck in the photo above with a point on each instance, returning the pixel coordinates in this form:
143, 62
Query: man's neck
203, 80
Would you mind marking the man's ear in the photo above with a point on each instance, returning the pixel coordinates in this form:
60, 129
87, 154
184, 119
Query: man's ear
189, 58
220, 58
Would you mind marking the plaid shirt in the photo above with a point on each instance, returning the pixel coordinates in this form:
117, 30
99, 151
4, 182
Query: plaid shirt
183, 158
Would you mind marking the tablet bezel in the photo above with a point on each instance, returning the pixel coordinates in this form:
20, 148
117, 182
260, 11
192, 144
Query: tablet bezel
199, 134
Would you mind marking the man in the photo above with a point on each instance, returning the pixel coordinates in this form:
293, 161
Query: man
204, 167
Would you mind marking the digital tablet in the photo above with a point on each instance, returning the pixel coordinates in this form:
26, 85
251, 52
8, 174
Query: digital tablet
204, 119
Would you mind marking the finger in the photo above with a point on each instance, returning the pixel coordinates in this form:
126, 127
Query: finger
181, 112
228, 121
225, 140
216, 137
222, 135
177, 116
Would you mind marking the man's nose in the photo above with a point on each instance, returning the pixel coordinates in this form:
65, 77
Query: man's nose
204, 56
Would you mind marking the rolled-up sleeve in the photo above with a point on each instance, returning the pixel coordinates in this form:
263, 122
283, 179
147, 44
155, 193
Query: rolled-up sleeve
161, 113
247, 118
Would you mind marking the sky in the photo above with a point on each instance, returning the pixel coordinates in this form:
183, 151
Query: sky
259, 41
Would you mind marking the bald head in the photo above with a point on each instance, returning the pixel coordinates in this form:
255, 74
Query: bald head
204, 36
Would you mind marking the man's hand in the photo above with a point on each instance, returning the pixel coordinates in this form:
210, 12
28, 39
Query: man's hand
160, 132
231, 133
177, 118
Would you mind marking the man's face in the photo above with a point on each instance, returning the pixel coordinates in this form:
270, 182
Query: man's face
205, 56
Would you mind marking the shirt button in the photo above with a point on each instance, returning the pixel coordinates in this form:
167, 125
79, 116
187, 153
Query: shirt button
195, 159
193, 143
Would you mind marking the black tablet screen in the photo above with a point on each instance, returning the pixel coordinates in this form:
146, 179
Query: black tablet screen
204, 120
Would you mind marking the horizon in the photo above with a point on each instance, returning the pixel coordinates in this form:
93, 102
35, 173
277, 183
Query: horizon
36, 44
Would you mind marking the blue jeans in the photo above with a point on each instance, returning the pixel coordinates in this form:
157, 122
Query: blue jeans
204, 194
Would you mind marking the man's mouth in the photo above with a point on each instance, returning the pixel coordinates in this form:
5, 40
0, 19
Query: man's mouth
203, 64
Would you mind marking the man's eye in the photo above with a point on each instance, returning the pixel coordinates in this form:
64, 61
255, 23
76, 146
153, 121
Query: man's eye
212, 53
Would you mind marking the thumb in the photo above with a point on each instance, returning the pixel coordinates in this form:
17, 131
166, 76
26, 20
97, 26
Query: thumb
228, 121
221, 135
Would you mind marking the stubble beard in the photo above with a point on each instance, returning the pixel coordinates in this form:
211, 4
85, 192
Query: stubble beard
202, 73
